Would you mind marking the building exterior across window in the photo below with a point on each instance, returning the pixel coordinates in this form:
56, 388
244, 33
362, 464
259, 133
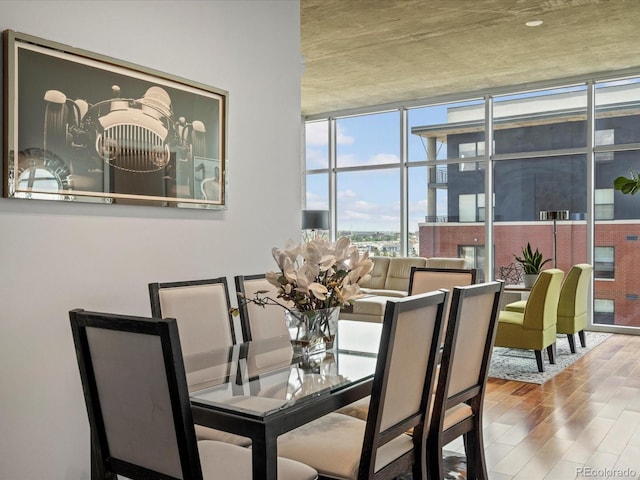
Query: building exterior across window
547, 153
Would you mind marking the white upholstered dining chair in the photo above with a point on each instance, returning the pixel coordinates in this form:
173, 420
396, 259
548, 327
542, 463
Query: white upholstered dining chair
462, 375
139, 411
343, 447
462, 378
202, 310
259, 322
428, 279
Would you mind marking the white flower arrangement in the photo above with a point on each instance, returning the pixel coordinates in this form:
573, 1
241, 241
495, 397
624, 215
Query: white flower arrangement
317, 274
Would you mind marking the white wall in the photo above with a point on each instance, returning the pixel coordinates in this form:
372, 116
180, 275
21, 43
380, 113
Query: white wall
55, 257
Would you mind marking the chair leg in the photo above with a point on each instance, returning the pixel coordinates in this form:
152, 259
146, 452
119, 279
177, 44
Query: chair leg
474, 449
539, 360
435, 464
551, 351
572, 342
583, 340
470, 453
97, 467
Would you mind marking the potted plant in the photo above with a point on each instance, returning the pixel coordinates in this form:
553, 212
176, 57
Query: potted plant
532, 263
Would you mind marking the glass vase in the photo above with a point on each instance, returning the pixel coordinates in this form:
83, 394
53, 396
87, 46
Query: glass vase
312, 331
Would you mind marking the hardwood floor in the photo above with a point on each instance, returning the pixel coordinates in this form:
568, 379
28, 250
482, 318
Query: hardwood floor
578, 424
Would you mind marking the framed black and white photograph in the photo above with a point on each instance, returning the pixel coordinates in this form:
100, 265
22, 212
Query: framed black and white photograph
79, 126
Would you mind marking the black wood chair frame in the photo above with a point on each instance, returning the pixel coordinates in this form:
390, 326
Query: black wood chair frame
470, 427
106, 465
154, 296
374, 438
245, 322
472, 271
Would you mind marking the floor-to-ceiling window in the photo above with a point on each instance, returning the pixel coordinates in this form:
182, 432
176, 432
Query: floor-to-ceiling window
617, 216
365, 168
317, 165
452, 213
550, 148
540, 165
368, 181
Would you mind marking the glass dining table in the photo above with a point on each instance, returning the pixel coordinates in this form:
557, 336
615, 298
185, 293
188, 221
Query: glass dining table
261, 390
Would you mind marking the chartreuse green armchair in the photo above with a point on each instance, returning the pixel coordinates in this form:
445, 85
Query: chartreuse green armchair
572, 305
535, 328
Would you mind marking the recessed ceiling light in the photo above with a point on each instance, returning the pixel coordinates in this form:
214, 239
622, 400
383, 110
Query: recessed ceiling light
534, 23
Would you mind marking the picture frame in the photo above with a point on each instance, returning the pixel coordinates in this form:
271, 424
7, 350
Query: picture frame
84, 127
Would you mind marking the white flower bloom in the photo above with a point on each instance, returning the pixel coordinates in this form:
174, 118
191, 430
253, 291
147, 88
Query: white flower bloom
316, 274
342, 247
272, 278
326, 262
350, 292
318, 290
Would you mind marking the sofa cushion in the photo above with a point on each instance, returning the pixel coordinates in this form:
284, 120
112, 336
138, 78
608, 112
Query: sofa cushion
400, 272
386, 293
388, 279
445, 262
378, 275
367, 309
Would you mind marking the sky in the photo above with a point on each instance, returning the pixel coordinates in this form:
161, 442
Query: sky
370, 200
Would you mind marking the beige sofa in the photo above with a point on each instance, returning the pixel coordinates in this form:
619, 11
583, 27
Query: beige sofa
390, 279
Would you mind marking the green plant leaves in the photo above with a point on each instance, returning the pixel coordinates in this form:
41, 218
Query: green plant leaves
627, 185
532, 262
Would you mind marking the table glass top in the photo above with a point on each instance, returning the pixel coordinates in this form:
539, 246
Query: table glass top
262, 377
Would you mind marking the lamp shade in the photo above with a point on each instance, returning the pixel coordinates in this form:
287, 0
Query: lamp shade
554, 215
315, 219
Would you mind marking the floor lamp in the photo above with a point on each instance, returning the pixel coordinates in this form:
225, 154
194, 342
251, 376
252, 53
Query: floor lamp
315, 220
554, 215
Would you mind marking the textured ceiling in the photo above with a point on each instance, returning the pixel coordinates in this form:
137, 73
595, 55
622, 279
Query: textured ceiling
369, 52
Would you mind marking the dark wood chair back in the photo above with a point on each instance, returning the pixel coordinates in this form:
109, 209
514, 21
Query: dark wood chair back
136, 395
404, 381
202, 309
426, 279
259, 322
462, 380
